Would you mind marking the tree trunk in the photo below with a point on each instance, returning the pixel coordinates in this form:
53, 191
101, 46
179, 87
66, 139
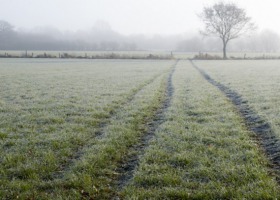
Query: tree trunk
224, 49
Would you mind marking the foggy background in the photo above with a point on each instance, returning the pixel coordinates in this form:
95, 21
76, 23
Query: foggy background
111, 25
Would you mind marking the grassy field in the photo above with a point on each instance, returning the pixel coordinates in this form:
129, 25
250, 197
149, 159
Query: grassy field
51, 113
258, 82
202, 150
132, 129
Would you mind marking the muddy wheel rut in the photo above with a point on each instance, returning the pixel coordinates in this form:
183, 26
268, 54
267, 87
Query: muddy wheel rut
268, 141
126, 170
99, 133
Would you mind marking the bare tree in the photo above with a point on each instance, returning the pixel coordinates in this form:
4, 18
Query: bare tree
227, 21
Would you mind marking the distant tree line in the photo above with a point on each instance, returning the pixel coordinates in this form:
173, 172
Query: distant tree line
105, 39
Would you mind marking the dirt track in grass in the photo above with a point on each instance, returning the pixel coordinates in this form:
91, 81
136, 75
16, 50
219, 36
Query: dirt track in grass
128, 167
263, 131
99, 133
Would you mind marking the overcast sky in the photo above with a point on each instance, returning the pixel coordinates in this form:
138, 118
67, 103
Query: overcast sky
128, 16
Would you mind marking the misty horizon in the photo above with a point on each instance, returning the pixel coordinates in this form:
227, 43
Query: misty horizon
102, 37
125, 25
164, 17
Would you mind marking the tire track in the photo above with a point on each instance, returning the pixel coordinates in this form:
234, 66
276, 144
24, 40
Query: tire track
127, 168
265, 136
99, 133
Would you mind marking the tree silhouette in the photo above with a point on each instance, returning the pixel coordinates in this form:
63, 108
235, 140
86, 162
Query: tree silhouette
227, 21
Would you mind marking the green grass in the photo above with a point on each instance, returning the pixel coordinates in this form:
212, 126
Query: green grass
102, 158
257, 82
67, 127
202, 151
44, 134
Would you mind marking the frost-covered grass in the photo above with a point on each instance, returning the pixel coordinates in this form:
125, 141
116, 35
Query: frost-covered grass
257, 81
202, 151
50, 112
68, 126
